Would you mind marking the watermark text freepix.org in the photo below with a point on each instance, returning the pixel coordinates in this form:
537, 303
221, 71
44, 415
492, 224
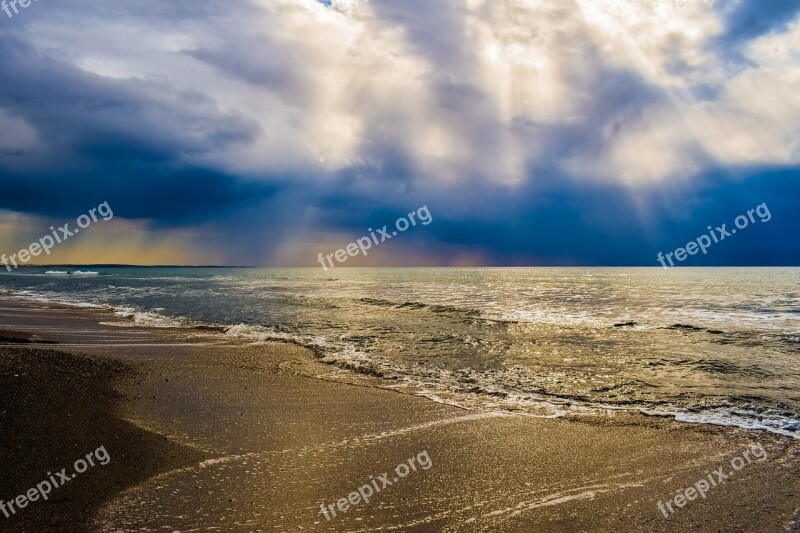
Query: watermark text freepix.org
721, 232
714, 478
9, 5
365, 243
44, 488
365, 492
46, 243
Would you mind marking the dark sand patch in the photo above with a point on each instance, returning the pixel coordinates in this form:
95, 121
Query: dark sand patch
54, 409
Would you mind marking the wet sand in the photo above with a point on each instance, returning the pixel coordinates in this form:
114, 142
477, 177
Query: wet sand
206, 434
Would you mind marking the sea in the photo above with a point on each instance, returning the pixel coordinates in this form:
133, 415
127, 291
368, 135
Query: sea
703, 345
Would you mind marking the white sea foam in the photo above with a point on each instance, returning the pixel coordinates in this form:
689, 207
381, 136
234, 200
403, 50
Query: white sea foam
147, 319
74, 273
260, 334
725, 417
51, 298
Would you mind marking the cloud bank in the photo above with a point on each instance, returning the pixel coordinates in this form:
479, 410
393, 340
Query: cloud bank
575, 132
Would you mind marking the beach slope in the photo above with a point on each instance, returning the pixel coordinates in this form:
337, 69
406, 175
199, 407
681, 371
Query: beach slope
205, 433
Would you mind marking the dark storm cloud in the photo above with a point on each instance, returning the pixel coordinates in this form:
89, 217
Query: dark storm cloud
168, 197
562, 223
113, 139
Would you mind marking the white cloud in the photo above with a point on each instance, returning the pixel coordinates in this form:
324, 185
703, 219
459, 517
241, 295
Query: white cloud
336, 86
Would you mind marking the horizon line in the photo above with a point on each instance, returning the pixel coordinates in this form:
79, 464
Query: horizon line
127, 265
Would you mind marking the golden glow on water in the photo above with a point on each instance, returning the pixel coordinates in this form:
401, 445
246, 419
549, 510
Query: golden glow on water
717, 342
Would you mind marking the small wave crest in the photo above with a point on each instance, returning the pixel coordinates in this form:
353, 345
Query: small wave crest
50, 298
73, 273
739, 418
149, 319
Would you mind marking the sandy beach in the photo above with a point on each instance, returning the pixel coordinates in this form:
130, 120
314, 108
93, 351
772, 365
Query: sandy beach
207, 433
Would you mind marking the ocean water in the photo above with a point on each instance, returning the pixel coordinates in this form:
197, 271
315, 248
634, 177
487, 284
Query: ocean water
706, 345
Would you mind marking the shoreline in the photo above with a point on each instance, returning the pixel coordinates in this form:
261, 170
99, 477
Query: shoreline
344, 371
222, 412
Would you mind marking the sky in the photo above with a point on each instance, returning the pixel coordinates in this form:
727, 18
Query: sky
265, 132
